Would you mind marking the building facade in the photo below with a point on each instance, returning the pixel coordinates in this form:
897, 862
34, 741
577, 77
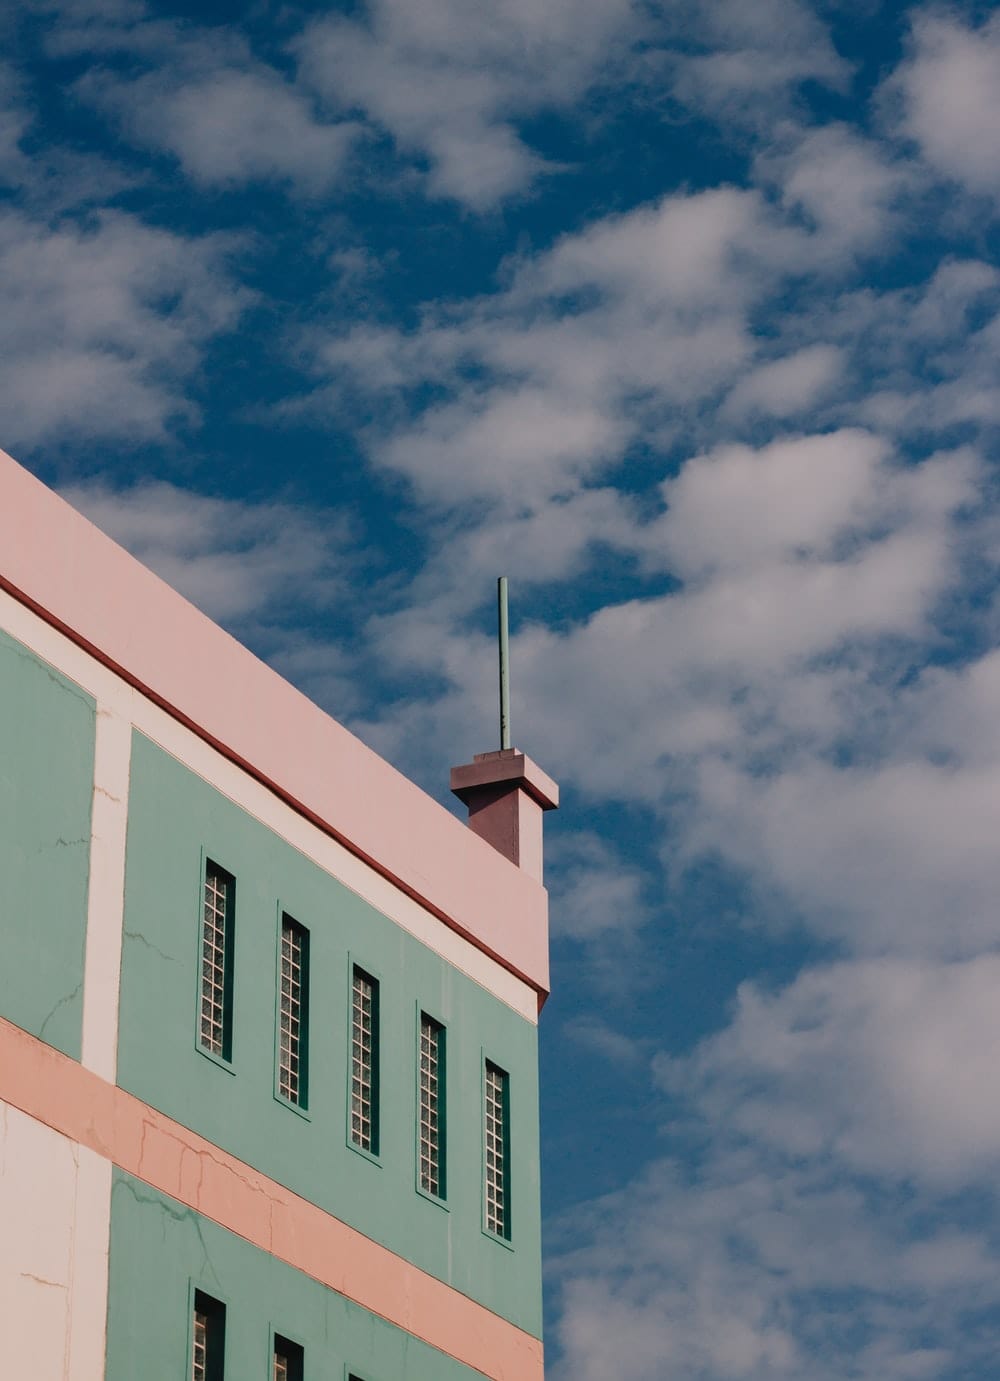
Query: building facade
268, 1013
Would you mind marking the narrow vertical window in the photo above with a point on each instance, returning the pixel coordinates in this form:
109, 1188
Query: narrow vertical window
364, 1060
431, 1106
496, 1149
293, 1013
216, 1020
209, 1350
289, 1360
200, 1369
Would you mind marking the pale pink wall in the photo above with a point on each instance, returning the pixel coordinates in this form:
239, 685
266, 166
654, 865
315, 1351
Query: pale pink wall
55, 1207
79, 579
100, 1118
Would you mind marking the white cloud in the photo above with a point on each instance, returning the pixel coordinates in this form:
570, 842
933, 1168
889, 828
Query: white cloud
534, 445
754, 706
795, 499
226, 125
586, 345
775, 1259
805, 563
200, 95
452, 84
53, 178
595, 893
745, 64
949, 90
846, 185
549, 543
789, 386
594, 1034
689, 252
893, 856
446, 80
887, 1066
818, 1233
917, 360
779, 580
758, 1268
101, 324
630, 330
958, 289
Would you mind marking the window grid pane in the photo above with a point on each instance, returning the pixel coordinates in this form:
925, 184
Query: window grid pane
199, 1369
292, 1012
430, 1105
214, 943
280, 1366
363, 1128
497, 1211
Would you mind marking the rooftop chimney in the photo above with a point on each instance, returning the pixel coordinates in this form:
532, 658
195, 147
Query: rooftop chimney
506, 794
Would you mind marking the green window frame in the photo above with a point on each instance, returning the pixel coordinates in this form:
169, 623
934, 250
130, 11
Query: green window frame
289, 1359
216, 961
496, 1152
208, 1338
432, 1088
291, 1075
363, 1103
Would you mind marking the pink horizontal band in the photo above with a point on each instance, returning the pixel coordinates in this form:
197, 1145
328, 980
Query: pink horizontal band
47, 1085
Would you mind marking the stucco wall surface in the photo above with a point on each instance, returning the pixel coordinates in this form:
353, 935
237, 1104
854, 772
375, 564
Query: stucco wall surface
76, 576
175, 819
47, 733
50, 1088
161, 1252
54, 1219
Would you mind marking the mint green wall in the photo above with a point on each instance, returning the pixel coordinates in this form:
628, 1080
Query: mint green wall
160, 1250
173, 817
47, 730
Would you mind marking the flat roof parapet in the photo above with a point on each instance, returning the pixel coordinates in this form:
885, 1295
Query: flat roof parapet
81, 582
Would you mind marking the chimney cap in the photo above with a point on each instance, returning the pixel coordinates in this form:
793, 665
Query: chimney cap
501, 766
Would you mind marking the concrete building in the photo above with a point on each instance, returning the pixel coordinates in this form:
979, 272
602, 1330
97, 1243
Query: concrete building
268, 1013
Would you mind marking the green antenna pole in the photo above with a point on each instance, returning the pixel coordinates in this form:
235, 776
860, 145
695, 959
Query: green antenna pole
504, 635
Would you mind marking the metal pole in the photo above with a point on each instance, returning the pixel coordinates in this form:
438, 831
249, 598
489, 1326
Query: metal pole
504, 662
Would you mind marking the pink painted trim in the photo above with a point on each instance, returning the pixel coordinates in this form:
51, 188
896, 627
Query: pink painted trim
49, 1086
87, 587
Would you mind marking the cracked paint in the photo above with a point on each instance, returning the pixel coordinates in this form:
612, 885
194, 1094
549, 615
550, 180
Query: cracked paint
25, 654
63, 1002
175, 1212
148, 944
55, 1227
158, 1250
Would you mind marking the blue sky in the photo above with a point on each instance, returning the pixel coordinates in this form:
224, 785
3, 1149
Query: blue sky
687, 318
